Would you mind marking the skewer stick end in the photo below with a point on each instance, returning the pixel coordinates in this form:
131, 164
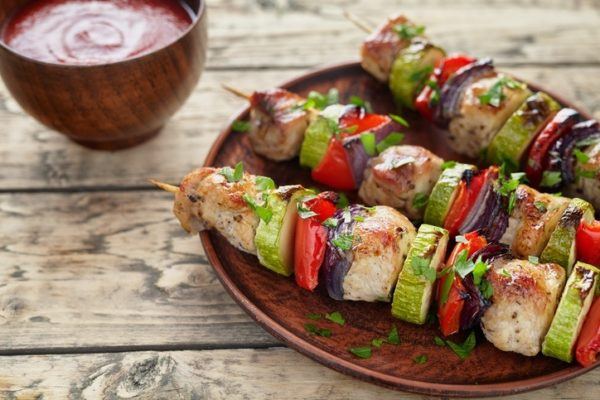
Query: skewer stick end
164, 186
235, 91
359, 23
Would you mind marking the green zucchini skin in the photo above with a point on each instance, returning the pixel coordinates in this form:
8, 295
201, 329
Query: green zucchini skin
561, 248
574, 305
443, 194
409, 71
274, 240
512, 141
412, 296
318, 135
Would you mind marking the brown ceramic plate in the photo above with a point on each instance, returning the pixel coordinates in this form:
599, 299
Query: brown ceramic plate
280, 306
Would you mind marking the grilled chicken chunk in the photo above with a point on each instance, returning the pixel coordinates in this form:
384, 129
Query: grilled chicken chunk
380, 48
532, 221
588, 187
525, 297
278, 123
206, 200
475, 127
380, 246
398, 175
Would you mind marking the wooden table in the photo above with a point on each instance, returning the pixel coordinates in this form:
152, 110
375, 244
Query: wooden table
101, 293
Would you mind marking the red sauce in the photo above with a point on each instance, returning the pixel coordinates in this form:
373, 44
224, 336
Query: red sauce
92, 32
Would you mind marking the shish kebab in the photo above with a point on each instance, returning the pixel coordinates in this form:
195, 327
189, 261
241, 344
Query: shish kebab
376, 254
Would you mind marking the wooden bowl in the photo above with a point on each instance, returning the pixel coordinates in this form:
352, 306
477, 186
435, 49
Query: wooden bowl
109, 106
280, 306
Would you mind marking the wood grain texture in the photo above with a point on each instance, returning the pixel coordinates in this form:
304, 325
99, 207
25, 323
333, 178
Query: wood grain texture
35, 157
267, 374
309, 32
109, 270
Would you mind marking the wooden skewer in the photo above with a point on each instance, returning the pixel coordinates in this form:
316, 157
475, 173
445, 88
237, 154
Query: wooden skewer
164, 186
358, 22
236, 92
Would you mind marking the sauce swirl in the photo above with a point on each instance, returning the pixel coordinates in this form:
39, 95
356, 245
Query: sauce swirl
91, 32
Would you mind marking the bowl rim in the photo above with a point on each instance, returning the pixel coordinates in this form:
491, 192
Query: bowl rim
346, 367
200, 15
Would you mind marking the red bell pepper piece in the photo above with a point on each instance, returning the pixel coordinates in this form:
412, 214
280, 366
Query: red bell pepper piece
588, 345
558, 126
450, 310
465, 199
310, 241
334, 169
587, 243
356, 121
447, 67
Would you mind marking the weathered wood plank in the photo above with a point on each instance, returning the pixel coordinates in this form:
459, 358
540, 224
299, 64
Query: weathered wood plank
309, 32
109, 270
32, 156
214, 374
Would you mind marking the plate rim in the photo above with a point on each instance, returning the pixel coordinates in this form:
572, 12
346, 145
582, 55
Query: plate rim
341, 365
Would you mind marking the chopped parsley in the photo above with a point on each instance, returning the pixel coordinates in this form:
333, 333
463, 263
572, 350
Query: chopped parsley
336, 317
303, 211
509, 186
589, 174
359, 102
421, 267
551, 178
479, 270
581, 156
369, 142
420, 201
446, 286
315, 330
343, 242
264, 183
541, 206
319, 101
463, 350
495, 95
408, 31
422, 359
377, 342
505, 273
313, 316
330, 223
398, 119
461, 239
240, 126
359, 218
486, 289
342, 201
361, 352
421, 74
393, 337
390, 140
439, 341
534, 259
448, 164
233, 175
261, 212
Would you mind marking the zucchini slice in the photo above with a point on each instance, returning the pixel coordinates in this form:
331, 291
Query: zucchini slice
513, 139
319, 134
411, 69
443, 194
412, 296
275, 240
573, 307
561, 248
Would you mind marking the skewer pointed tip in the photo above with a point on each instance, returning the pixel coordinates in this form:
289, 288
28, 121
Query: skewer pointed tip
235, 91
164, 186
359, 23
